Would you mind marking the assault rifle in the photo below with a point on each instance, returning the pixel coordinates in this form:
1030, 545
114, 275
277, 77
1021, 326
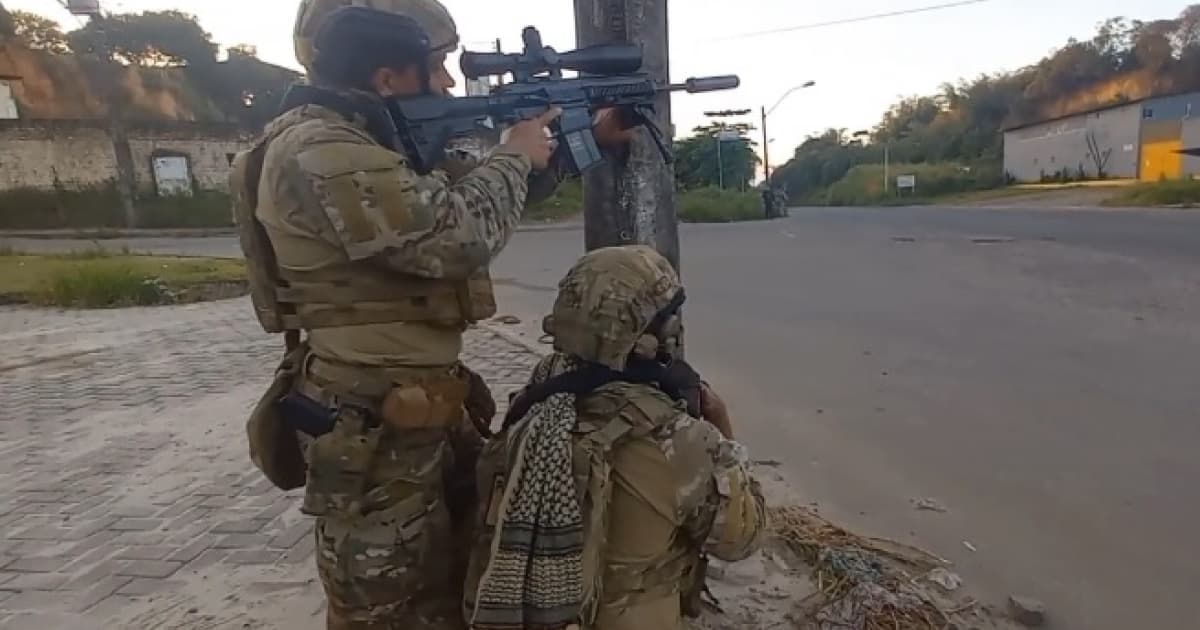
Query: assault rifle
610, 75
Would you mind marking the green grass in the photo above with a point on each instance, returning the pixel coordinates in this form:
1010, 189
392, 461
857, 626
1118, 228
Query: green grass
100, 279
863, 184
1177, 192
566, 202
713, 205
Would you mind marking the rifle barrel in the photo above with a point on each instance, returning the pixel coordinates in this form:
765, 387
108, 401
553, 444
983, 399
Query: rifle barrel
698, 85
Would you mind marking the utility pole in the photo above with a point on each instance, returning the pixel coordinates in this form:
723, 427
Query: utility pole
767, 139
766, 150
630, 199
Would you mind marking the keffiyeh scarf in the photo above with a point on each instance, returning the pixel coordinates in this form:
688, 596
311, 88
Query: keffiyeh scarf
534, 578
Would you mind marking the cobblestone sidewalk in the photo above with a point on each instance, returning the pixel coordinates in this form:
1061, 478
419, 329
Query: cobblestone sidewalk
126, 496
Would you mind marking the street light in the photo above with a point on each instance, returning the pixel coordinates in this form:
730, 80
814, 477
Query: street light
767, 112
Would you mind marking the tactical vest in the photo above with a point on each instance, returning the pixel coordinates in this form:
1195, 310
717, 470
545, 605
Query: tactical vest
613, 416
346, 295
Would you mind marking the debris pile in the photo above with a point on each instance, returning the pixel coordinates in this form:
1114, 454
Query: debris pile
863, 583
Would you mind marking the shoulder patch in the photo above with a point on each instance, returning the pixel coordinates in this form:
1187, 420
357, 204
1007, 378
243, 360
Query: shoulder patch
370, 196
642, 406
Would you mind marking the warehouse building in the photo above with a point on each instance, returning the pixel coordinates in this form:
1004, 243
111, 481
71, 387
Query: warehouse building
1152, 139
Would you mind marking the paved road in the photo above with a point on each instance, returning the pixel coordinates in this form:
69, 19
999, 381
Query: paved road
1034, 371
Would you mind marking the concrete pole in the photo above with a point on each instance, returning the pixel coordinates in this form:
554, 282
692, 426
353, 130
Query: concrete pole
720, 162
631, 198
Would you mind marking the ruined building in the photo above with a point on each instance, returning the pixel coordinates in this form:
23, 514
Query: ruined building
69, 123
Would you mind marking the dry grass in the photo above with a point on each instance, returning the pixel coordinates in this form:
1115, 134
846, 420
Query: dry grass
866, 583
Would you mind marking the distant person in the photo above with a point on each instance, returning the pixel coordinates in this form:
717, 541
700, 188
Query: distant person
616, 471
768, 202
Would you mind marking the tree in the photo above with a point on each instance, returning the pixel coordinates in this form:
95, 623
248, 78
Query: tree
8, 27
963, 123
39, 33
696, 158
151, 38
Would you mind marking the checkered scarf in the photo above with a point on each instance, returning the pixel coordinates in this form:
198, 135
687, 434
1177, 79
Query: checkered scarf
534, 577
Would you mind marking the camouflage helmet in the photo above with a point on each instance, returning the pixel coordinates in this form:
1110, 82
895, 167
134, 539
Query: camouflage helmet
608, 300
430, 14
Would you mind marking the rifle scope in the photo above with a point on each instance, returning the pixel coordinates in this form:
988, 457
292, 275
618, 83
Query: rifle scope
602, 59
537, 59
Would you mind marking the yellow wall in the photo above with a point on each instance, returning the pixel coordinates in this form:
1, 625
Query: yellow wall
1161, 160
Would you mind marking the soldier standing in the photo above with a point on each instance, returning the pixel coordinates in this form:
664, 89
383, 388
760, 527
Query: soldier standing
607, 489
382, 269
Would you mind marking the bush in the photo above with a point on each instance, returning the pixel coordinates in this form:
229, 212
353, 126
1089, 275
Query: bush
100, 207
566, 202
713, 205
863, 185
205, 209
1175, 192
105, 287
30, 209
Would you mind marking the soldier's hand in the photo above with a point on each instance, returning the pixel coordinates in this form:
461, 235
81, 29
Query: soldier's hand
480, 405
610, 130
531, 138
713, 409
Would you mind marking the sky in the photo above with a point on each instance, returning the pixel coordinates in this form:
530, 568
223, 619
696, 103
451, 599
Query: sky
860, 69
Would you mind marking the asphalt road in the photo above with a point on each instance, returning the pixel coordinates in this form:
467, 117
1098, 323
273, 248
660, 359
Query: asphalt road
1034, 371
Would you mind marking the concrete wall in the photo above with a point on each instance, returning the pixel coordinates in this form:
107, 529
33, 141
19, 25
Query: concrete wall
1172, 107
208, 159
1191, 140
1048, 147
77, 156
81, 154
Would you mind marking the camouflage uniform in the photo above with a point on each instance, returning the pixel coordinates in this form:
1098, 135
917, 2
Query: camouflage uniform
383, 269
660, 487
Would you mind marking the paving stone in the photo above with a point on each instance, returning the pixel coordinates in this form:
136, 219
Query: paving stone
193, 549
41, 601
244, 526
99, 591
35, 582
150, 568
146, 586
254, 556
100, 571
153, 552
38, 565
242, 541
277, 507
206, 559
137, 524
292, 535
140, 538
102, 520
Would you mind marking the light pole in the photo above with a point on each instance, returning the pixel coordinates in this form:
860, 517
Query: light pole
766, 143
887, 160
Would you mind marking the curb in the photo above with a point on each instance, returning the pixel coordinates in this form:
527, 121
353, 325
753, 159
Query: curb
114, 234
117, 233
